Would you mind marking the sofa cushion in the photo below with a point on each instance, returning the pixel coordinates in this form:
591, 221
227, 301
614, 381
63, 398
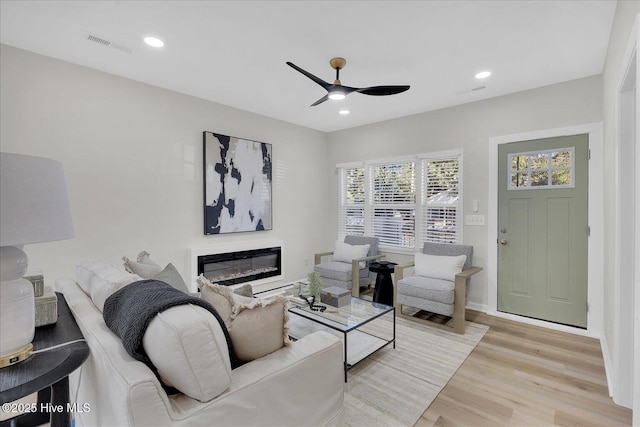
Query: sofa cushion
84, 272
187, 346
438, 267
257, 327
427, 288
99, 279
334, 270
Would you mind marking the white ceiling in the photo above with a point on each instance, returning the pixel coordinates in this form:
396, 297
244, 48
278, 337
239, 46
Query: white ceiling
234, 52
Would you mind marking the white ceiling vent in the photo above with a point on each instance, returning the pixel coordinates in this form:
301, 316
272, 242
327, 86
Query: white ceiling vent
475, 89
107, 43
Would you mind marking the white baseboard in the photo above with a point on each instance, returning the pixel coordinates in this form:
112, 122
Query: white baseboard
608, 364
477, 307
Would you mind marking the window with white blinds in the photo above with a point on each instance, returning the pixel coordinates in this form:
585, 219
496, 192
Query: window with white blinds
392, 203
351, 198
404, 202
441, 200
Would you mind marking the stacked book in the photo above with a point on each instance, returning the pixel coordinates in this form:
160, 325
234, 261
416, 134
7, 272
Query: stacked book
46, 300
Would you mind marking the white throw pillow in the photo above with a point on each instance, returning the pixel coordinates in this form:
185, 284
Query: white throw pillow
345, 252
188, 348
99, 279
84, 272
438, 267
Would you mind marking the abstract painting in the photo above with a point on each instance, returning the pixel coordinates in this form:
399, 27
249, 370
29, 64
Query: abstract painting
237, 184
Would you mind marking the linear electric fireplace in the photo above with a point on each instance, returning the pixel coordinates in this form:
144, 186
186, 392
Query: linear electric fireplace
231, 268
234, 264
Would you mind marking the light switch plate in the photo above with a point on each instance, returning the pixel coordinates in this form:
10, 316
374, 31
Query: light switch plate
474, 219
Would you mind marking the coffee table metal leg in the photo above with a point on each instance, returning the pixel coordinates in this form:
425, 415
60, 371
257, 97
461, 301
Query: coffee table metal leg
394, 327
346, 364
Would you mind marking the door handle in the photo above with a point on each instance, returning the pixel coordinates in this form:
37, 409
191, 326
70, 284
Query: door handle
503, 241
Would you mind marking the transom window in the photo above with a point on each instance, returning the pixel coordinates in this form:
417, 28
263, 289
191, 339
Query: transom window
541, 169
403, 201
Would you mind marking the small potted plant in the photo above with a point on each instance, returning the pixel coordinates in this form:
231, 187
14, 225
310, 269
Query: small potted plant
315, 285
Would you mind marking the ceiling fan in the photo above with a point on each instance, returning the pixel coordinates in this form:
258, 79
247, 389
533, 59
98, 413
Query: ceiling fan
337, 91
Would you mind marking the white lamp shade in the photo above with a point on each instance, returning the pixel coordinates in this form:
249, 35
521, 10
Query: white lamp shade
34, 205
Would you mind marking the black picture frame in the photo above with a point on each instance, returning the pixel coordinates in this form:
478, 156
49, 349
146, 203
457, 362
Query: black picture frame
237, 181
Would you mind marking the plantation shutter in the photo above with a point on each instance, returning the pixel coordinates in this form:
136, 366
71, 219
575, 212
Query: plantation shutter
441, 216
351, 201
392, 202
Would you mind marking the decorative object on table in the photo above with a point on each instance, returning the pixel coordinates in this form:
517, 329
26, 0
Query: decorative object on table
335, 296
315, 285
237, 184
313, 306
34, 208
37, 280
46, 308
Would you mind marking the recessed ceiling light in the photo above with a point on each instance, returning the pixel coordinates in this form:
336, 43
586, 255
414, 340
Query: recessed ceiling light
483, 75
153, 41
344, 112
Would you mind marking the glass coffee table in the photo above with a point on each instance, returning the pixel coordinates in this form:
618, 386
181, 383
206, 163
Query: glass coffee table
365, 326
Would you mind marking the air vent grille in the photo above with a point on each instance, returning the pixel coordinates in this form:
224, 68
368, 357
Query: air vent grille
99, 40
107, 43
468, 91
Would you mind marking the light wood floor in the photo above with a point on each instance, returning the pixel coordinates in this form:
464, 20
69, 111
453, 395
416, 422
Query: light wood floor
521, 375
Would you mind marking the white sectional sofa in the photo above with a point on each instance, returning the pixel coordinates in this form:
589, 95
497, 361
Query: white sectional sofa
299, 384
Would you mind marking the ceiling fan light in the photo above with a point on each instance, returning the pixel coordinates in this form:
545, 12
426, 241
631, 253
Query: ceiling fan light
153, 41
337, 96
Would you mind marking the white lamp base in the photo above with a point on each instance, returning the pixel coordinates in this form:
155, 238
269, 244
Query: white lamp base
18, 356
17, 306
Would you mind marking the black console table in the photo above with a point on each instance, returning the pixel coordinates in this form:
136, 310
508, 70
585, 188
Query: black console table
46, 373
384, 284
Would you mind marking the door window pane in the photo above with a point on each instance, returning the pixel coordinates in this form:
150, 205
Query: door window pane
541, 169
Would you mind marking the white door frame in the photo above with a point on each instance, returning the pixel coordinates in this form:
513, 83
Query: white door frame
596, 222
625, 354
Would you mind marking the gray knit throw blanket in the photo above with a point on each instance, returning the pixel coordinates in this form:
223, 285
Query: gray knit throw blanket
128, 312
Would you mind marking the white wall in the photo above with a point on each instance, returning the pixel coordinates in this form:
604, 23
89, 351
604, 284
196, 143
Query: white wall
132, 155
469, 127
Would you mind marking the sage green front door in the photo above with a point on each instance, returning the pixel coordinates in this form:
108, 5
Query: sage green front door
543, 229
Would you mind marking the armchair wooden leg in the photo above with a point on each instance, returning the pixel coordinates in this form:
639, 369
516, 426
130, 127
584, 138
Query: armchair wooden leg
355, 278
459, 304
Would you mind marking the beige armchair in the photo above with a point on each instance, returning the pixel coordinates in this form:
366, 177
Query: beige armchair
348, 275
435, 294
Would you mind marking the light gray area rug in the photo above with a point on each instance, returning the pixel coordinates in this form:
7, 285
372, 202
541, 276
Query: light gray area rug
394, 387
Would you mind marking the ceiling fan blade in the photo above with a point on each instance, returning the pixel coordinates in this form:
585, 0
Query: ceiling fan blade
320, 101
383, 90
308, 74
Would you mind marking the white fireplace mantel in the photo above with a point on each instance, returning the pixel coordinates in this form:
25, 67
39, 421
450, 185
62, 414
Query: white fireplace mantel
194, 253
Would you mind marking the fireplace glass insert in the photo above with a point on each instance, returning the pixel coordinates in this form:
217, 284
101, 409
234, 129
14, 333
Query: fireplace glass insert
232, 268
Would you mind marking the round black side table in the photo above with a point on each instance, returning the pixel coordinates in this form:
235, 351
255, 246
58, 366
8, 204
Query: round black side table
46, 373
383, 293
